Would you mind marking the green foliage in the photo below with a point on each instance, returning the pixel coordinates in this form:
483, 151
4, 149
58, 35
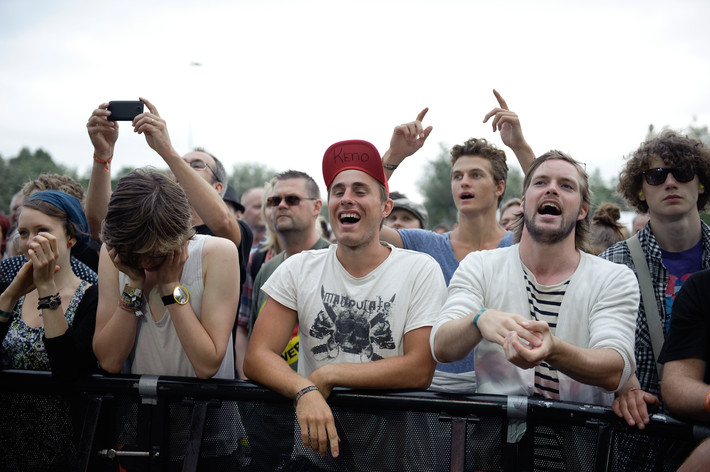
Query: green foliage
26, 166
603, 192
514, 184
249, 175
435, 185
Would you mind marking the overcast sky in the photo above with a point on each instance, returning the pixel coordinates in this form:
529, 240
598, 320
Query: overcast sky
280, 81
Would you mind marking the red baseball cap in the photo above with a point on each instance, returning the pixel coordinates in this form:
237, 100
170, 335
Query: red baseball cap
353, 154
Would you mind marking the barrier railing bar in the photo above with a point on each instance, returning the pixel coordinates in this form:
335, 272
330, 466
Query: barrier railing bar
540, 410
88, 431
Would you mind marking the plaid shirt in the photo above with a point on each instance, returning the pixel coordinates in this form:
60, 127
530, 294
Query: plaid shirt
619, 253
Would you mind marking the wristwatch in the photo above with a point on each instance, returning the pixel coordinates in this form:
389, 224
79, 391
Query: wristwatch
180, 296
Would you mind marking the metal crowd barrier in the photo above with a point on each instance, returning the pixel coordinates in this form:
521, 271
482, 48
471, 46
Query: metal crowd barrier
123, 422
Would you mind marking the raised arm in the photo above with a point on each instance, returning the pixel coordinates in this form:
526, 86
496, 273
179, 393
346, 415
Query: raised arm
205, 200
407, 139
103, 134
508, 124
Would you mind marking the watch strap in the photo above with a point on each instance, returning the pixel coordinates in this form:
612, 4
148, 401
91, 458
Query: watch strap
168, 299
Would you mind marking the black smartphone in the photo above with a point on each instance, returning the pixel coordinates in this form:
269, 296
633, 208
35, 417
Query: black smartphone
124, 110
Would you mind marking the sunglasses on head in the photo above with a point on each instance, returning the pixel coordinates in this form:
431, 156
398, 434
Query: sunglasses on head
291, 200
658, 175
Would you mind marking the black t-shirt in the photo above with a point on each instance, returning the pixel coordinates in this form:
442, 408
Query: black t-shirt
689, 333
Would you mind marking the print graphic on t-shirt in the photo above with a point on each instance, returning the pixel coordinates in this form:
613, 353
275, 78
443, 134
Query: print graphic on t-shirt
355, 327
672, 288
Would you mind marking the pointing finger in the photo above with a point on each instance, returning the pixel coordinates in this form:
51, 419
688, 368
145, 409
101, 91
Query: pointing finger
501, 102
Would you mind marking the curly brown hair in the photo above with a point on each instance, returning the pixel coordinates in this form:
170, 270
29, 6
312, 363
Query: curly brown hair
479, 147
51, 181
674, 149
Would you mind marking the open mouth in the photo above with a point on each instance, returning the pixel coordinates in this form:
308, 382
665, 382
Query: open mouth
466, 196
549, 208
349, 218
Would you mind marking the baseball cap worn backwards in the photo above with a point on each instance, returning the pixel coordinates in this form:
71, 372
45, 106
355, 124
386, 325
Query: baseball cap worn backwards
353, 154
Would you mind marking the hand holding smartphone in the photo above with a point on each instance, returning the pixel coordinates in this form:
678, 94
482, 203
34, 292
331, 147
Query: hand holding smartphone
124, 110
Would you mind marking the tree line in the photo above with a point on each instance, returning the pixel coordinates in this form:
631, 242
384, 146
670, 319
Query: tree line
434, 182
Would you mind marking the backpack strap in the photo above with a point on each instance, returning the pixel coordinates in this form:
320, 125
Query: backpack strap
653, 318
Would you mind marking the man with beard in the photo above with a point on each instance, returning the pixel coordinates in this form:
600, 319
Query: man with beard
545, 318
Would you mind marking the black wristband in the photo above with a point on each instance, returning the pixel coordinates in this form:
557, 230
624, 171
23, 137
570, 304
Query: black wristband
304, 391
51, 302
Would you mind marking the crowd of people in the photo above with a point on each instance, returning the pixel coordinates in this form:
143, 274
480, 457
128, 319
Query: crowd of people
171, 273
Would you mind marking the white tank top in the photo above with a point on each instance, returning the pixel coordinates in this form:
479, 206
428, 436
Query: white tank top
157, 350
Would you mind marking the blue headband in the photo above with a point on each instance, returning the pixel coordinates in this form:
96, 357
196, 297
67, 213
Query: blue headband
70, 205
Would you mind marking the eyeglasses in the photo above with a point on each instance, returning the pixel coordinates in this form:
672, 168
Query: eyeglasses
197, 164
658, 176
291, 200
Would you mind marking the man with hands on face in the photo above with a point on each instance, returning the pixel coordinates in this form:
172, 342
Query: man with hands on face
363, 308
166, 297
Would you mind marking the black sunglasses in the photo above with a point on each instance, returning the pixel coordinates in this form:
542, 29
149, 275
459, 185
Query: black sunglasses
658, 175
291, 200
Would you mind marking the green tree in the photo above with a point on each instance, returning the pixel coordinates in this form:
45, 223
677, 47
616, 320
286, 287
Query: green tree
26, 166
514, 184
435, 185
604, 192
249, 175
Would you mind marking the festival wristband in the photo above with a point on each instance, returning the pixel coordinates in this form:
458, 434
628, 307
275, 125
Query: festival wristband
304, 391
475, 319
707, 402
105, 163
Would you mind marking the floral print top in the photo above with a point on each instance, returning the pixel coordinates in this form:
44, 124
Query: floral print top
23, 347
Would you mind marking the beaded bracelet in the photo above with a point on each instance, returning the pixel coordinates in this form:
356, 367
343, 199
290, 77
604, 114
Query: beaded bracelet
304, 391
390, 166
475, 319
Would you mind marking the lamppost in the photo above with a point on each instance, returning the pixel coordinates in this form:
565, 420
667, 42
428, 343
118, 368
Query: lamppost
193, 64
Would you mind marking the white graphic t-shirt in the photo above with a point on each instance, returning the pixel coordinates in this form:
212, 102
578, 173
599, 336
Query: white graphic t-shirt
344, 319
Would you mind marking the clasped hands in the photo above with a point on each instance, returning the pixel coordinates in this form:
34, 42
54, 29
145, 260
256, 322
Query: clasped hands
526, 342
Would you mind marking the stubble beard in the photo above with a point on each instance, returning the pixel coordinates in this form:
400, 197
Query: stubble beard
548, 237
